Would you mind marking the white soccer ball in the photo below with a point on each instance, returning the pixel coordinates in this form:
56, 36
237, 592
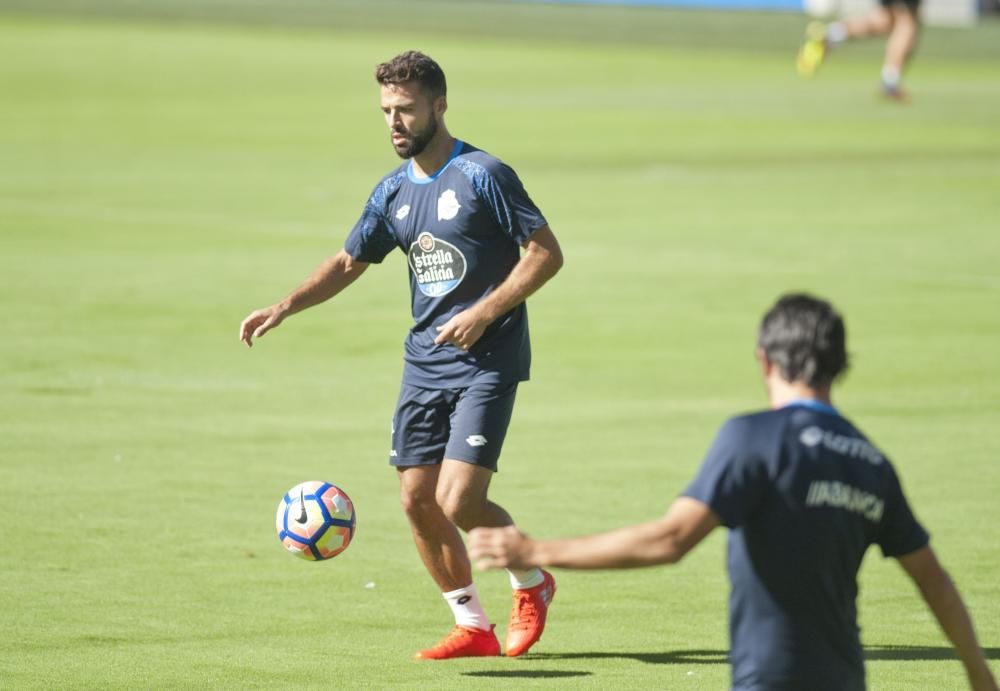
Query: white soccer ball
315, 520
821, 9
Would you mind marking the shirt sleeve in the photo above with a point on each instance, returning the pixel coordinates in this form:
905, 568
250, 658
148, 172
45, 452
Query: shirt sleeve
510, 204
733, 479
900, 532
372, 238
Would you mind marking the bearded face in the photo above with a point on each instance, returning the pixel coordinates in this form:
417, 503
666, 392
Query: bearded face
411, 116
411, 142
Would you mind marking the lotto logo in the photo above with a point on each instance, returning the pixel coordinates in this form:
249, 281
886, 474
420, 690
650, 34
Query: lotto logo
475, 440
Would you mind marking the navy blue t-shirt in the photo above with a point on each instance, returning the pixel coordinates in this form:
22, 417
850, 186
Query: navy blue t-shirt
462, 229
804, 494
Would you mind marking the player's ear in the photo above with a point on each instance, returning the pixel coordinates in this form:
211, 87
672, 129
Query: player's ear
440, 105
765, 365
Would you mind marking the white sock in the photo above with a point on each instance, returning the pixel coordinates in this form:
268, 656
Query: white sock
467, 608
522, 580
890, 77
836, 33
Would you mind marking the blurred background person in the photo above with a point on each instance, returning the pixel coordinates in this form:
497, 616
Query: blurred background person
897, 20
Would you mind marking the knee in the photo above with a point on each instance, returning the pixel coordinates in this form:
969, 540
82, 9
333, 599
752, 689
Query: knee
907, 21
881, 24
459, 508
417, 501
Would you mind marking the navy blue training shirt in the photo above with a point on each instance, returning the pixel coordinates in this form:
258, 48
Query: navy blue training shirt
462, 229
804, 494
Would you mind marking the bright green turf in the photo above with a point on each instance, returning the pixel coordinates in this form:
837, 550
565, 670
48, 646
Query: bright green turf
158, 181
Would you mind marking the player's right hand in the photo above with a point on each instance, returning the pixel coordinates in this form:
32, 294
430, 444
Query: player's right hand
499, 548
260, 322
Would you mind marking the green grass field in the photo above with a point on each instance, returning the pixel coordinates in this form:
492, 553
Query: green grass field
164, 172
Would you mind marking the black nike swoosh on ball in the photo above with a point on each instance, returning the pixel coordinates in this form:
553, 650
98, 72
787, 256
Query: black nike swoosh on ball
302, 517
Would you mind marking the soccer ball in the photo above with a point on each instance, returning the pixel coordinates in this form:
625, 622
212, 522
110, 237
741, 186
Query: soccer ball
821, 9
315, 520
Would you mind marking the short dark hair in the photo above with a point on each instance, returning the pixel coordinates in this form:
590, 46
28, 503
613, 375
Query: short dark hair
413, 66
806, 338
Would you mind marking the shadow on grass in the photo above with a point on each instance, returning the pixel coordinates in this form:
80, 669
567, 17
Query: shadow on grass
919, 652
673, 657
526, 673
721, 657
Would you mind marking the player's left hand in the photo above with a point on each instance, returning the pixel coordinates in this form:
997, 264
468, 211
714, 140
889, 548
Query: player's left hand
462, 330
499, 548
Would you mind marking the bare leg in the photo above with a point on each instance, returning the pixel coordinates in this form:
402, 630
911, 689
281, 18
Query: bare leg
437, 539
879, 23
820, 39
902, 38
461, 494
436, 499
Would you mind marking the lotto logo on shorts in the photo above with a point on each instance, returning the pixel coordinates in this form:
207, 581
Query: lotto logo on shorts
475, 440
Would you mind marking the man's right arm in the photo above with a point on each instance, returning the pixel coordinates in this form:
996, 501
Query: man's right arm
662, 541
329, 278
942, 597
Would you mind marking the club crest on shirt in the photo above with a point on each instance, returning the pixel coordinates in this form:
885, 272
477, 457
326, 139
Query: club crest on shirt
438, 266
448, 205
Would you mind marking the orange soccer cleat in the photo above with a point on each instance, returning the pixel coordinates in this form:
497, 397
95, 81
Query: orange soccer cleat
462, 641
527, 619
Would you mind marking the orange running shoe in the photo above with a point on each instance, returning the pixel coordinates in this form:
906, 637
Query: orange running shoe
527, 619
462, 641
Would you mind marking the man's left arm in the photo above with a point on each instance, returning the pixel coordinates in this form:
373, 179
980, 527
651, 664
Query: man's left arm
662, 541
541, 260
941, 595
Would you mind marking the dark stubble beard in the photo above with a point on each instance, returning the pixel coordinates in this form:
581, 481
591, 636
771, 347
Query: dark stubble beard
416, 142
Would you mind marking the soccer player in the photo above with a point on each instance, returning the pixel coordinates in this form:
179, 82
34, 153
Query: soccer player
804, 494
899, 20
462, 218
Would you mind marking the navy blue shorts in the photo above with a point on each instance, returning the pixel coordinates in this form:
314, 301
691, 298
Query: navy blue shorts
468, 425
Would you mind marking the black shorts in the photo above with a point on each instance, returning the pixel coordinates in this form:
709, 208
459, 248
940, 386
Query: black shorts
468, 425
912, 5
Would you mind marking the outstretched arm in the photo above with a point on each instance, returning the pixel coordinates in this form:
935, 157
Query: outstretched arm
663, 541
329, 278
942, 597
541, 260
